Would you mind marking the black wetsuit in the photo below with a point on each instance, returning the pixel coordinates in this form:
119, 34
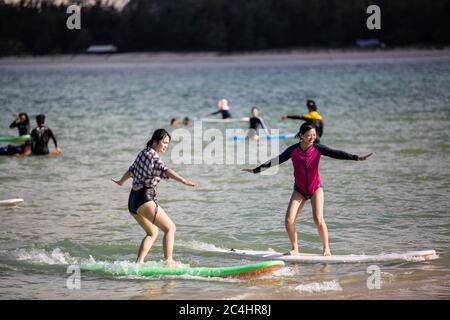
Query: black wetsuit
225, 113
40, 137
24, 128
255, 122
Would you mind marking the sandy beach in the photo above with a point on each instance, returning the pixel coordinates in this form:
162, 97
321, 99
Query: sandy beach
285, 56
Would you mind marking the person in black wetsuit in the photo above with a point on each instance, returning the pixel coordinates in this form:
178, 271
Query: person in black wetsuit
224, 110
40, 136
22, 123
312, 117
255, 122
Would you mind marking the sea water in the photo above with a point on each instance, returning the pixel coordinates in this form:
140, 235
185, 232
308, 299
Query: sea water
103, 114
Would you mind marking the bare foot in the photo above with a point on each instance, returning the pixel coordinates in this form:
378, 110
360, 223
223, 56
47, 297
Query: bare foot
326, 252
291, 253
172, 263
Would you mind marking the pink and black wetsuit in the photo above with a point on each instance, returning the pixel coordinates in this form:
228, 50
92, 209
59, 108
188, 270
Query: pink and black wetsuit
306, 165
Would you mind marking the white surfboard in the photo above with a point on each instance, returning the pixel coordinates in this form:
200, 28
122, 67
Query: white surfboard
11, 202
267, 137
244, 119
352, 258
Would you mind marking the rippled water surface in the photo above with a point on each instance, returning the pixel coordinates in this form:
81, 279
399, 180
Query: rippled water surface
103, 114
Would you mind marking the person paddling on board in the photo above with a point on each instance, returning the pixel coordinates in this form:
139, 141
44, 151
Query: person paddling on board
40, 136
14, 150
224, 110
22, 123
305, 157
255, 122
312, 117
147, 170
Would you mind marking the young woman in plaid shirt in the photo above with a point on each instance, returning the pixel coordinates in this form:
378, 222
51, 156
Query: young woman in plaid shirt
147, 170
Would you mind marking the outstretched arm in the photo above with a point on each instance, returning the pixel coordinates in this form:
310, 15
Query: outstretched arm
293, 117
124, 178
173, 175
285, 156
338, 154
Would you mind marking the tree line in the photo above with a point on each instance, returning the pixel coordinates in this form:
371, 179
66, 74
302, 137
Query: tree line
39, 26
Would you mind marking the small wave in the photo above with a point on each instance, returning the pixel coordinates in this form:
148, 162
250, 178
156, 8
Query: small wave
319, 287
202, 246
41, 256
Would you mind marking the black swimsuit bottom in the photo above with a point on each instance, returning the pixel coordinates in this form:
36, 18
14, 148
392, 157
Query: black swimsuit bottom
139, 197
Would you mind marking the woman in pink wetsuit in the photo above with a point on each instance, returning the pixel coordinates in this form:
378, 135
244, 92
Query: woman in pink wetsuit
305, 159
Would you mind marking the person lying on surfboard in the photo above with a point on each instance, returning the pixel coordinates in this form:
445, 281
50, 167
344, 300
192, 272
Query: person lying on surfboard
147, 170
17, 151
224, 110
305, 157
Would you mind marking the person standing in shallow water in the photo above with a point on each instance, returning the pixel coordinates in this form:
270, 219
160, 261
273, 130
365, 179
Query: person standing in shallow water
22, 123
312, 117
40, 136
224, 109
305, 157
147, 170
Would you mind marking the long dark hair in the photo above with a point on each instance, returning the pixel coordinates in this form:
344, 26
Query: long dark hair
305, 127
27, 120
158, 135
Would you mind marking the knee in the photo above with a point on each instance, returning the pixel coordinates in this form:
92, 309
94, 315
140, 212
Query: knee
154, 233
320, 222
171, 228
289, 221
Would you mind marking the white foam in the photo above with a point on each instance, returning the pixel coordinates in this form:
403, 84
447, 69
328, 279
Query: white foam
41, 256
201, 246
238, 297
319, 287
181, 277
284, 272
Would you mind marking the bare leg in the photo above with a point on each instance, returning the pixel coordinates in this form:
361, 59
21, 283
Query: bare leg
317, 209
163, 222
149, 239
295, 206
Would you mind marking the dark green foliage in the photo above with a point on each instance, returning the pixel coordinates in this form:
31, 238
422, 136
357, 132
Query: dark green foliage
39, 26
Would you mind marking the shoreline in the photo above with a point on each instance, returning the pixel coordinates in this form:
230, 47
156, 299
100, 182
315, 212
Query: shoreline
312, 55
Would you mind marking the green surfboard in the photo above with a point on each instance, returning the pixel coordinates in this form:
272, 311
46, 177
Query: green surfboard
16, 139
150, 270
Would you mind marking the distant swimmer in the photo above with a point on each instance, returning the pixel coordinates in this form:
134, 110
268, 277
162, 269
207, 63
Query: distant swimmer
312, 117
305, 157
186, 121
174, 123
22, 123
255, 122
147, 171
224, 110
40, 136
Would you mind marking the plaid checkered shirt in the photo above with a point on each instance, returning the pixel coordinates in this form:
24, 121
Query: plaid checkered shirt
148, 169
